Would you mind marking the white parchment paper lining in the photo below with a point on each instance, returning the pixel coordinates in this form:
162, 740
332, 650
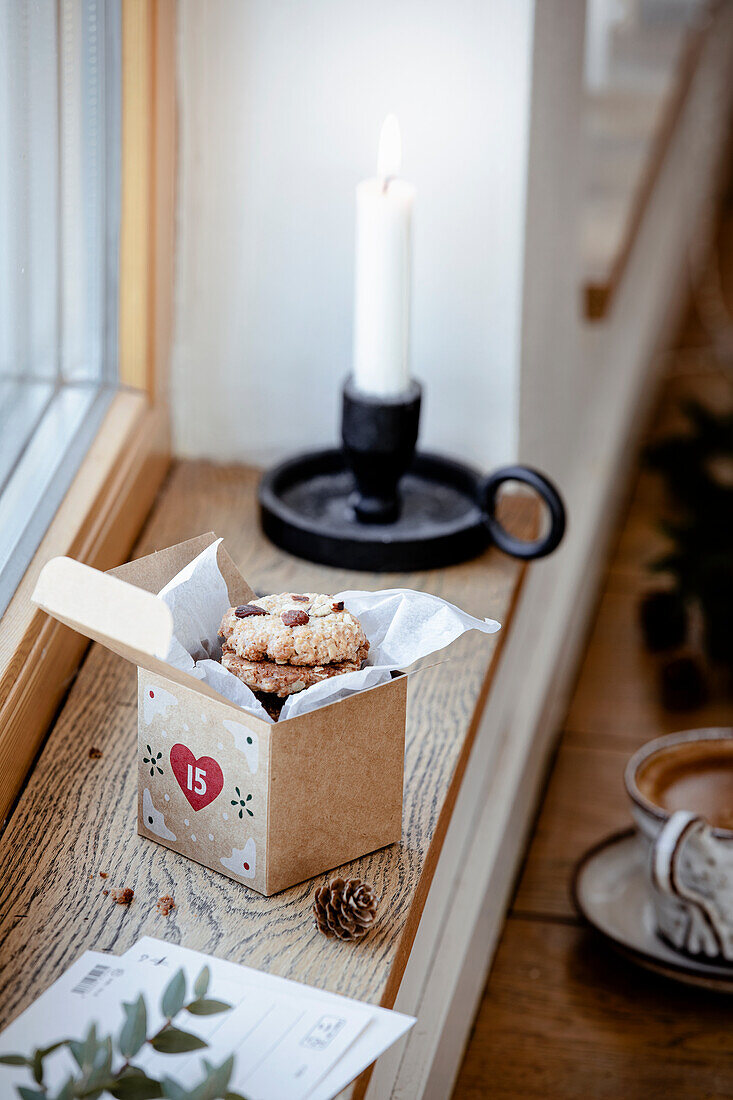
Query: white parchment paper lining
402, 626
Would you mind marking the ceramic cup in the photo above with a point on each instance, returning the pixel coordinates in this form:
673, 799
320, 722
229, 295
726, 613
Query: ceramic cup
690, 861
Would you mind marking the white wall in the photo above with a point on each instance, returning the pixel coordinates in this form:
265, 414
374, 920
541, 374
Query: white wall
281, 102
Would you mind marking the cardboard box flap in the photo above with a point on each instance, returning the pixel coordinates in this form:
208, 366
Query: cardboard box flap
155, 570
123, 617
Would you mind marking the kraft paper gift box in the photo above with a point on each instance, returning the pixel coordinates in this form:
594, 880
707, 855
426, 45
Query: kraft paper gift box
267, 805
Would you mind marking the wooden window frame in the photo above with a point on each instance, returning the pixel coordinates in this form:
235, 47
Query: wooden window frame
599, 292
116, 484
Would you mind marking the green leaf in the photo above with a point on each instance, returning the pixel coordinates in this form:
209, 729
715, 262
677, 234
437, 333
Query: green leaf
229, 1095
54, 1046
38, 1067
67, 1090
200, 1091
173, 1090
174, 995
89, 1051
213, 1084
103, 1054
175, 1041
77, 1049
207, 1007
31, 1094
201, 985
218, 1079
101, 1072
137, 1086
13, 1060
134, 1030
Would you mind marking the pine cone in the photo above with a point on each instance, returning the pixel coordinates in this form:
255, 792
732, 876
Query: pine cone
345, 909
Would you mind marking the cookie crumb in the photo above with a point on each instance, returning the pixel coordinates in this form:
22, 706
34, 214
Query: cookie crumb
103, 874
105, 893
95, 754
165, 904
123, 897
337, 605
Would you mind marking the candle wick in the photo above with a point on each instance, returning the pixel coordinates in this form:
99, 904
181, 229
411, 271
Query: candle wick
385, 183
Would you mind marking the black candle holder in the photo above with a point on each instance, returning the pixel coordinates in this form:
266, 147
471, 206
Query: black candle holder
379, 436
377, 504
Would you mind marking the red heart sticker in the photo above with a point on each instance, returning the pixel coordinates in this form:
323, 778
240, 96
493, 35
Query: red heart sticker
200, 780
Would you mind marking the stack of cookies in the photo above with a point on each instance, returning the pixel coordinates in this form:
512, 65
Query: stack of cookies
282, 644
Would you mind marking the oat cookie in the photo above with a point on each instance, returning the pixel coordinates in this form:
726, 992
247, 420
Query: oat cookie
297, 628
282, 680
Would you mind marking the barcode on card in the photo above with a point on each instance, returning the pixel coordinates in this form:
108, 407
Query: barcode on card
87, 984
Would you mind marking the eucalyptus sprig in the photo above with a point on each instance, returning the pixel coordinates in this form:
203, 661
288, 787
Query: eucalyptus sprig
96, 1057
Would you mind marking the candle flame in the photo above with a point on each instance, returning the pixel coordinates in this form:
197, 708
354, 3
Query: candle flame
389, 158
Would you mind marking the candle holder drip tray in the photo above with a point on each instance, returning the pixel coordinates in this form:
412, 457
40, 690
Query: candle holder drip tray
446, 514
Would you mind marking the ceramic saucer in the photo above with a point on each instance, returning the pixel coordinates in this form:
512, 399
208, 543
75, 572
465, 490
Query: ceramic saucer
612, 892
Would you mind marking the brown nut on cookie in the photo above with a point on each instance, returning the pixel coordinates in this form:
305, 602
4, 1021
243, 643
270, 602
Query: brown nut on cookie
246, 609
295, 618
283, 680
330, 635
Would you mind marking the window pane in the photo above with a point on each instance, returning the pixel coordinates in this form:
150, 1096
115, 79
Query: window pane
59, 220
28, 189
88, 81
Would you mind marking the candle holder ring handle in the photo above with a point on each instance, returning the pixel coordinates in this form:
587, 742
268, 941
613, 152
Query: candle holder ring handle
510, 544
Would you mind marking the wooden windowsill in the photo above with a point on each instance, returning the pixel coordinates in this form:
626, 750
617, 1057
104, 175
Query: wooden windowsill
84, 808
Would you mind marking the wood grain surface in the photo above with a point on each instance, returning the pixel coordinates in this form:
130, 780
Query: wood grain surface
76, 816
585, 801
571, 1020
563, 1015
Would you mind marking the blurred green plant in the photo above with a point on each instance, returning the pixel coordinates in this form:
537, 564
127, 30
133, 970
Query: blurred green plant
96, 1056
697, 468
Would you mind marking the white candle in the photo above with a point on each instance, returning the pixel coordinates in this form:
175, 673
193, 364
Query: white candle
382, 284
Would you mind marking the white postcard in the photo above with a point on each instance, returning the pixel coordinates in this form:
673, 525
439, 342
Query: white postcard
289, 1041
